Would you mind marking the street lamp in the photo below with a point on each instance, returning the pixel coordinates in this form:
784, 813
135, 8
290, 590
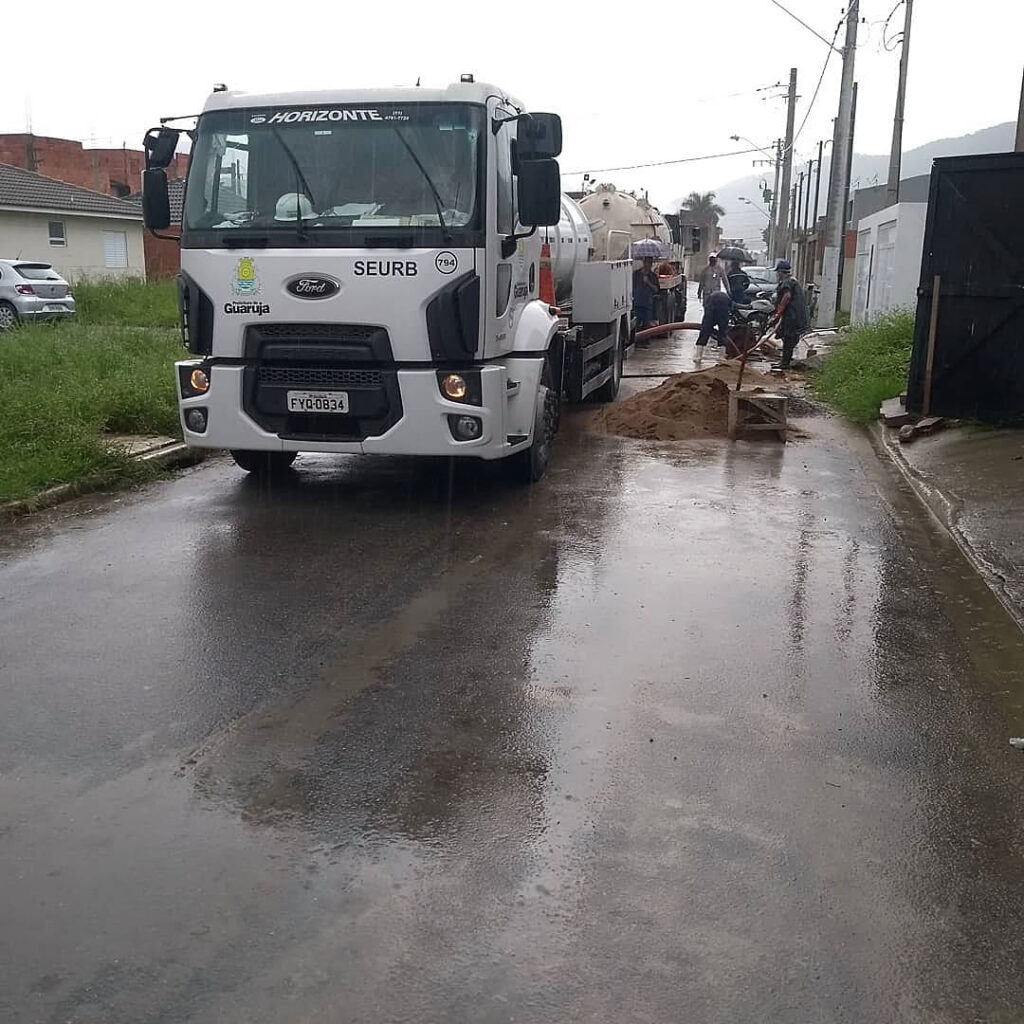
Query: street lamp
749, 142
750, 202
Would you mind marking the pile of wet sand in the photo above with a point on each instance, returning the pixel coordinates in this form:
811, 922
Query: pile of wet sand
685, 406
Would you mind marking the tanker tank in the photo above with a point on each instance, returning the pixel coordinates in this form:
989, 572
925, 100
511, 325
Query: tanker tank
571, 243
614, 215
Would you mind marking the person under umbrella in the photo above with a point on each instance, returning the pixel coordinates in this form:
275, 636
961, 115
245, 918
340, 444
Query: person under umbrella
737, 280
646, 287
645, 293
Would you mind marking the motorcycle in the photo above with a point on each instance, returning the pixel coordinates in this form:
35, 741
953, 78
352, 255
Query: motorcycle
748, 324
757, 315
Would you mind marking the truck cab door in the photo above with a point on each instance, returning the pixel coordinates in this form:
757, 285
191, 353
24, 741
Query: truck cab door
513, 281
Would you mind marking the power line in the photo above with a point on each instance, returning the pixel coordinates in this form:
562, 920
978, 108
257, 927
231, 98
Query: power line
663, 163
821, 78
814, 32
885, 29
718, 97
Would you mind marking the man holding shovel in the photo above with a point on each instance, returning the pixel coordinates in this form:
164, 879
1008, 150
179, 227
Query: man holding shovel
790, 320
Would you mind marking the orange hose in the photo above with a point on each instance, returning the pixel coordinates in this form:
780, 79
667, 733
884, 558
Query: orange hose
653, 332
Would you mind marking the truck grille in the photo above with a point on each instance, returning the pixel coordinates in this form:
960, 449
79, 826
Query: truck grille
356, 358
318, 377
318, 332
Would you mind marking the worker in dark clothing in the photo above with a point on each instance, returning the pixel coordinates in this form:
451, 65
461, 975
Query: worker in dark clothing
791, 319
717, 308
738, 281
645, 292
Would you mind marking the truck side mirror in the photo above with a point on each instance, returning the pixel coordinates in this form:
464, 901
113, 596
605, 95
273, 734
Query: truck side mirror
540, 193
156, 204
160, 145
540, 137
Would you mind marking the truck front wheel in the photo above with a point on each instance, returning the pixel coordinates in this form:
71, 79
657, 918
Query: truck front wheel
529, 466
263, 463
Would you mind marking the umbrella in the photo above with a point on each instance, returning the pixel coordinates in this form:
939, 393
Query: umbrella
734, 252
649, 247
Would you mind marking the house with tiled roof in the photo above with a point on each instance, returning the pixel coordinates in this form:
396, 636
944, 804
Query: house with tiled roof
83, 233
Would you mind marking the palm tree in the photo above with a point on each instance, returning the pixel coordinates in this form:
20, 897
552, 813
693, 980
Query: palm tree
703, 206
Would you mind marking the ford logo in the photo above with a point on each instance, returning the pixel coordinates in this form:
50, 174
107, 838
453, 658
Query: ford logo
312, 286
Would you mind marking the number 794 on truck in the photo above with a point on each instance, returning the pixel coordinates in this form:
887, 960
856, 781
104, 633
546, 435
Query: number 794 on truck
370, 272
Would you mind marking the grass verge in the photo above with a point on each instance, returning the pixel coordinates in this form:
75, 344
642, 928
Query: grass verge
62, 386
127, 302
868, 366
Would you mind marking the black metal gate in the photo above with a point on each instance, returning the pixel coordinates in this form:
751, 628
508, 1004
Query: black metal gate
968, 359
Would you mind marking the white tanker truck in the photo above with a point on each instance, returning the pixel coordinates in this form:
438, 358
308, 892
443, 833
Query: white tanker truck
361, 273
618, 219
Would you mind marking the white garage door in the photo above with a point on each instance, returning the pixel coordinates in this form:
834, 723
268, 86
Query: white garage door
115, 249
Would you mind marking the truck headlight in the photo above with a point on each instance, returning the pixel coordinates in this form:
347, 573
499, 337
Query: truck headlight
193, 380
464, 386
454, 386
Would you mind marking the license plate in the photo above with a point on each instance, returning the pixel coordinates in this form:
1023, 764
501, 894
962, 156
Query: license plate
318, 401
54, 308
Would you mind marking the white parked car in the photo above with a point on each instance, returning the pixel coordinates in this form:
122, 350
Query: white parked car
32, 291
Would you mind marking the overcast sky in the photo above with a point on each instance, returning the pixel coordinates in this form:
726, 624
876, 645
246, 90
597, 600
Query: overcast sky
629, 90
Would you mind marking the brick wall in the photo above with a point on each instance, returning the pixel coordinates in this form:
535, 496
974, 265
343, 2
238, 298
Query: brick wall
112, 171
163, 257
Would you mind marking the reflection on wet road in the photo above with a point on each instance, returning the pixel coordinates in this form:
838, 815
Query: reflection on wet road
685, 733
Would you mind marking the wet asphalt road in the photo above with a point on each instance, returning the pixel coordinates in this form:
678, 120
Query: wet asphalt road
685, 733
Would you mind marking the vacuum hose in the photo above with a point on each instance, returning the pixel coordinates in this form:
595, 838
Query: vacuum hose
653, 332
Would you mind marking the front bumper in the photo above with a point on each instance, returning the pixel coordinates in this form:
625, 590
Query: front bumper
506, 412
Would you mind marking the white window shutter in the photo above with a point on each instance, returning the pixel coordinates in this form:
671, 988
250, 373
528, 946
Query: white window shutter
115, 249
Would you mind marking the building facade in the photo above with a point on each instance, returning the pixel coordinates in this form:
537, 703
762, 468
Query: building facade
115, 172
84, 234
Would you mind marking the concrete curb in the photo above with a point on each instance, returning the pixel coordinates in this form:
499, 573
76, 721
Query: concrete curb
945, 510
165, 456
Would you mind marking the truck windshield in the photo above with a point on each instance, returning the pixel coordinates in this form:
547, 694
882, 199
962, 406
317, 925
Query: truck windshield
335, 175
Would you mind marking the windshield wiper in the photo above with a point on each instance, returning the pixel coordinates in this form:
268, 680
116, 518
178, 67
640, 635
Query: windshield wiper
300, 180
433, 188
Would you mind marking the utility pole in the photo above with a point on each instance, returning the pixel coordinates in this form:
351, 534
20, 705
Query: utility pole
782, 237
849, 152
799, 203
817, 183
807, 198
892, 192
775, 200
1020, 122
835, 215
848, 193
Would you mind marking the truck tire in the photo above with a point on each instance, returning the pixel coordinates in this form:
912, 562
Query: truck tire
607, 391
529, 466
263, 463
